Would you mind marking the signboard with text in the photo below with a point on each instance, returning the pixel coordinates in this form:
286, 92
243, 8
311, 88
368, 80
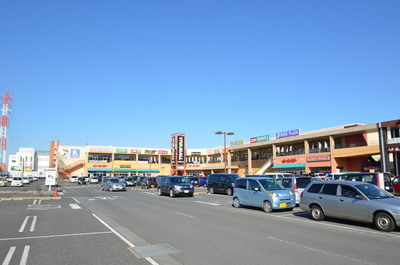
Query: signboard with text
291, 133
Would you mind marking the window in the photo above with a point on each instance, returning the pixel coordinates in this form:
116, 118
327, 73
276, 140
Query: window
241, 184
315, 188
349, 192
329, 189
253, 184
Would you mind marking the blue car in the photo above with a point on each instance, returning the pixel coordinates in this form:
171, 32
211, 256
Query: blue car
203, 181
263, 192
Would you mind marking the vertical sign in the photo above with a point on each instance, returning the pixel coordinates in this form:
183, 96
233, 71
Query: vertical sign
173, 150
181, 149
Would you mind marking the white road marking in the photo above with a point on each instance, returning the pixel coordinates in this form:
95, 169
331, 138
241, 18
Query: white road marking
53, 236
185, 215
25, 255
22, 228
9, 256
209, 203
75, 206
150, 193
122, 238
76, 200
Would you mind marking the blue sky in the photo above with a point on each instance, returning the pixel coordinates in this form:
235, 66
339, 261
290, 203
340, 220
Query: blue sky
133, 72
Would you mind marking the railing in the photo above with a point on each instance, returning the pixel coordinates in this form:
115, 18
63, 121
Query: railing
70, 166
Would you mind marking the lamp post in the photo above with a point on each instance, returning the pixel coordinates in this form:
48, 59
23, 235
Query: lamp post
225, 134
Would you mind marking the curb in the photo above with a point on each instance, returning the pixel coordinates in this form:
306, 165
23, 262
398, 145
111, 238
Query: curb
30, 198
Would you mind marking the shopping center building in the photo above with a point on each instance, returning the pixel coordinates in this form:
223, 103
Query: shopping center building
353, 147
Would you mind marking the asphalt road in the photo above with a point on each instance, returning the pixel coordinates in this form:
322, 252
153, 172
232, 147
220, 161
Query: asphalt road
88, 226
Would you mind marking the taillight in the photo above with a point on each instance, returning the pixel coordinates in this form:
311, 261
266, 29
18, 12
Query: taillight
295, 188
301, 195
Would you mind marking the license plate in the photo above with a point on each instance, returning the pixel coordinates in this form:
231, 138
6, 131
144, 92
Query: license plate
186, 191
152, 186
282, 205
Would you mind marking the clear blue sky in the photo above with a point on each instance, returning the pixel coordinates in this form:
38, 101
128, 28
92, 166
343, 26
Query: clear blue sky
133, 72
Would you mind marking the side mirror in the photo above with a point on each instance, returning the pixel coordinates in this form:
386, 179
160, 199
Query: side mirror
257, 189
360, 197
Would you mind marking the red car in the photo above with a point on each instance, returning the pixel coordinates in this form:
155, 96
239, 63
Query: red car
396, 185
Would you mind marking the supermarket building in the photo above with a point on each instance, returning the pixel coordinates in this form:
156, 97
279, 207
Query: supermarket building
354, 147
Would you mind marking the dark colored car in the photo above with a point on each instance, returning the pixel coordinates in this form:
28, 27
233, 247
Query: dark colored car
82, 180
203, 181
194, 181
221, 183
147, 182
174, 186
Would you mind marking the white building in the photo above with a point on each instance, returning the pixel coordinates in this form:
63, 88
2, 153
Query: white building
29, 161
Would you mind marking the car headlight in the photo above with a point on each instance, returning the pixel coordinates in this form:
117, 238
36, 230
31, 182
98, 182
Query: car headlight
177, 187
273, 194
291, 193
191, 186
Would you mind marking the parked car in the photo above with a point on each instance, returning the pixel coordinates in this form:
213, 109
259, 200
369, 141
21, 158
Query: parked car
17, 182
3, 182
94, 179
295, 184
9, 178
203, 181
130, 181
174, 186
113, 184
73, 179
396, 185
352, 200
274, 175
221, 183
25, 180
81, 180
262, 192
193, 180
382, 180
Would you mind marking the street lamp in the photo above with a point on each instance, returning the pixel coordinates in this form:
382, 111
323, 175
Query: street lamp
225, 134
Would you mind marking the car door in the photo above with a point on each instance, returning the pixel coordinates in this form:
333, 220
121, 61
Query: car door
328, 199
351, 207
254, 194
396, 185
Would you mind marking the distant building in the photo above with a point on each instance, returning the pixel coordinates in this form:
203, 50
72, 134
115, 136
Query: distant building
28, 161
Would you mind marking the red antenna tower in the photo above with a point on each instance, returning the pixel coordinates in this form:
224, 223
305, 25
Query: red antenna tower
3, 129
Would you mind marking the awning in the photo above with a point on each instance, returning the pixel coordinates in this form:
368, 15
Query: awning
122, 170
290, 165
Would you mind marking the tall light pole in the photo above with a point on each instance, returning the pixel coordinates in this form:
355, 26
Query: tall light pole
225, 134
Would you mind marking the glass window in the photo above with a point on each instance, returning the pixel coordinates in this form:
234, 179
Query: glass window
329, 189
241, 184
349, 192
253, 184
315, 188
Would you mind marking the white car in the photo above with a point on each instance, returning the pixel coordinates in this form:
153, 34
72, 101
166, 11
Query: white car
73, 179
94, 180
25, 180
17, 182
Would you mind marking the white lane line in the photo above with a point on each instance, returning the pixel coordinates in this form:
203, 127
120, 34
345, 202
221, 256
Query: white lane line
21, 229
9, 256
209, 203
76, 200
75, 206
122, 238
54, 236
321, 251
185, 215
33, 224
34, 202
40, 201
150, 193
24, 257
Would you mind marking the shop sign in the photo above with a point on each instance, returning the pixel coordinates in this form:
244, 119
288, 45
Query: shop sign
289, 160
239, 142
99, 166
211, 152
100, 149
121, 150
163, 152
196, 153
181, 149
259, 139
192, 166
393, 149
393, 141
135, 151
318, 158
125, 166
75, 153
291, 133
173, 150
150, 152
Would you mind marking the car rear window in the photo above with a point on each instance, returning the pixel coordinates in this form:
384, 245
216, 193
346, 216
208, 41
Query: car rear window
302, 182
329, 189
315, 188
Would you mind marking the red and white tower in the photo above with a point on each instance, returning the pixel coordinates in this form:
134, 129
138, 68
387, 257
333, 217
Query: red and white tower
3, 129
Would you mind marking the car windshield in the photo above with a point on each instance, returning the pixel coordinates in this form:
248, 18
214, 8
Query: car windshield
129, 179
373, 192
178, 180
270, 184
114, 180
232, 178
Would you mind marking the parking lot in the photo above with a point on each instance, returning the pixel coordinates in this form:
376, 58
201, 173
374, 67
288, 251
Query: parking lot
90, 226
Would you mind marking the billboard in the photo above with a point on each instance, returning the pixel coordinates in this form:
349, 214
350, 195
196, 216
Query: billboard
181, 149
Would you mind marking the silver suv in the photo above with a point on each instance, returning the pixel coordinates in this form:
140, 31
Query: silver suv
113, 184
351, 200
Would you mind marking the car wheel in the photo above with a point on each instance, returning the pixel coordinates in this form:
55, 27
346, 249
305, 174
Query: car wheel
236, 203
384, 222
229, 191
316, 213
111, 189
267, 207
171, 193
102, 188
211, 190
159, 192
